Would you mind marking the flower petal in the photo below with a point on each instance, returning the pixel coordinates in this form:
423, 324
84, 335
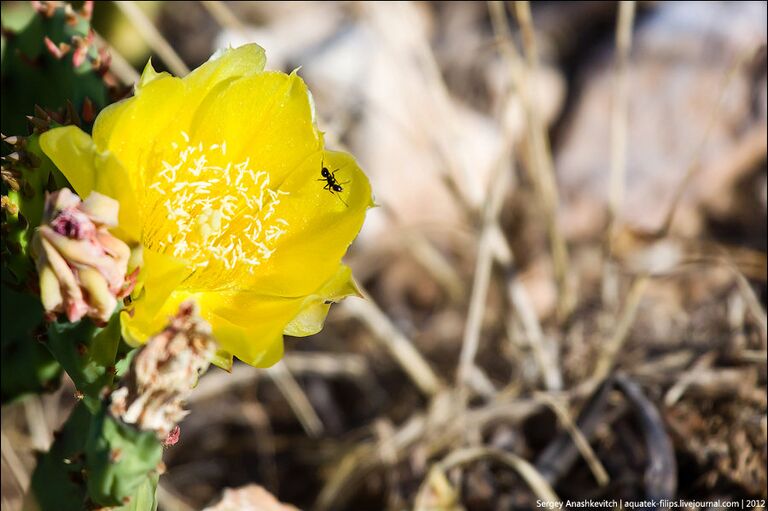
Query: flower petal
164, 273
310, 319
267, 118
50, 289
244, 324
100, 298
222, 359
226, 64
139, 130
87, 169
149, 75
321, 226
160, 275
247, 325
131, 128
257, 352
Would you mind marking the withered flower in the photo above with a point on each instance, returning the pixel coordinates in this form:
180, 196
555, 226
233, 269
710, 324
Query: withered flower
163, 373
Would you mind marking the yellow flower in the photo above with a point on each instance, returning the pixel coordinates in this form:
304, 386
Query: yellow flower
219, 178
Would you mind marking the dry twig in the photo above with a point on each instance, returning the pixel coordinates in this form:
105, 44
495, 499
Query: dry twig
528, 472
579, 439
38, 424
224, 16
296, 398
395, 342
619, 112
483, 266
18, 471
607, 356
540, 164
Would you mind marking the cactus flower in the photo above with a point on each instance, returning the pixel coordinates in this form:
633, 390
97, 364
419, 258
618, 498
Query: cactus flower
81, 265
163, 373
223, 178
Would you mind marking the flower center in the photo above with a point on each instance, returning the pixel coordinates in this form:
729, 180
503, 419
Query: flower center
216, 214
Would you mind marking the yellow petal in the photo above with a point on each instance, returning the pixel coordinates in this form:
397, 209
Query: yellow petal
159, 276
227, 64
222, 359
244, 343
310, 319
148, 76
131, 128
247, 325
244, 325
140, 130
88, 170
321, 226
267, 118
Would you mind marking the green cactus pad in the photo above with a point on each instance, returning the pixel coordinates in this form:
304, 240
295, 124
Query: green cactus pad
145, 496
27, 366
119, 460
27, 175
48, 61
58, 481
96, 461
87, 353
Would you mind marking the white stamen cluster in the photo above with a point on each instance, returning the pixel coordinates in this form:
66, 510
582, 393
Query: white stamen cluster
217, 216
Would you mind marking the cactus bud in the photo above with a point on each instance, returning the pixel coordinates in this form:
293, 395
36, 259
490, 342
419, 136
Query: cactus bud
81, 265
163, 373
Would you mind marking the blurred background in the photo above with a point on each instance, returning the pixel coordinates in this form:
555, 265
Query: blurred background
566, 273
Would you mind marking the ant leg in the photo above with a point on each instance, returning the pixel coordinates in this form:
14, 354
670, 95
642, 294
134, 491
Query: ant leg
342, 200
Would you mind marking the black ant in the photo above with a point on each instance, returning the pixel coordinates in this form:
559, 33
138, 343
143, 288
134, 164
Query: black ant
331, 184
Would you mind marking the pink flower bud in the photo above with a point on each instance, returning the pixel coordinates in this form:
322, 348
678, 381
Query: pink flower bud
81, 265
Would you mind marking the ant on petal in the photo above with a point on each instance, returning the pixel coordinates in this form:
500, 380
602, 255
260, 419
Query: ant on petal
331, 184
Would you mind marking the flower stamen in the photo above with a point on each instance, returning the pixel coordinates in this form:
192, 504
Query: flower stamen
222, 216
